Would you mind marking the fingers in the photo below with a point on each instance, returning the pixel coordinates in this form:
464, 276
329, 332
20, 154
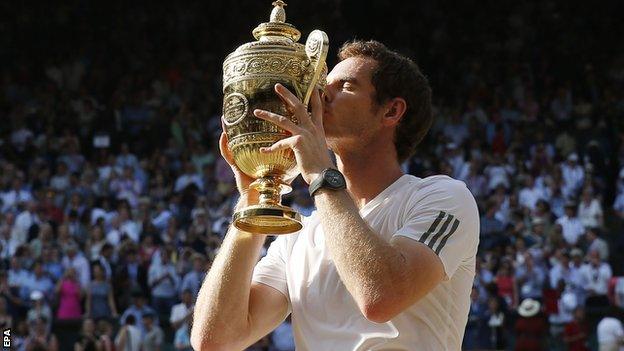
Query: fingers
317, 108
289, 98
279, 120
287, 143
225, 150
293, 104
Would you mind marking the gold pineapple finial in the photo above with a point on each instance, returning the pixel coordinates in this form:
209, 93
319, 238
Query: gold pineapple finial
278, 14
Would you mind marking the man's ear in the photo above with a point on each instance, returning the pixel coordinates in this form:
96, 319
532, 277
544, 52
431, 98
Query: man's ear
395, 109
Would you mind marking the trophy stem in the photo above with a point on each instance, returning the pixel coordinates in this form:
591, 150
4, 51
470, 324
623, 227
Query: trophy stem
270, 189
268, 216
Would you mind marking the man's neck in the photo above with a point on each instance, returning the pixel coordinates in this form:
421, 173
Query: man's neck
368, 173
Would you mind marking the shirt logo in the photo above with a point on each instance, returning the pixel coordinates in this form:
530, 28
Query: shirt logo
442, 234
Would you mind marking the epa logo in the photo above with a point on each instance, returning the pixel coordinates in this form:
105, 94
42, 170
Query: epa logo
6, 338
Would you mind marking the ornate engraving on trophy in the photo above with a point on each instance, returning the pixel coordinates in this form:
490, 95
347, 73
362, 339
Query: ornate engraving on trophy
235, 108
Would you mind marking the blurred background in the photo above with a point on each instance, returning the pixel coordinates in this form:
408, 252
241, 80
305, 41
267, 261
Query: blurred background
114, 198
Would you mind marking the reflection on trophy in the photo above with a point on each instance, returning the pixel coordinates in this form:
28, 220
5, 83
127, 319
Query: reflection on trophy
249, 76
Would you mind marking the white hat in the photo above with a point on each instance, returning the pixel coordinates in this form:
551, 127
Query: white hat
573, 157
529, 308
36, 295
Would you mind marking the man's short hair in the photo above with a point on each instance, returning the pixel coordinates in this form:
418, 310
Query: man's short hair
394, 76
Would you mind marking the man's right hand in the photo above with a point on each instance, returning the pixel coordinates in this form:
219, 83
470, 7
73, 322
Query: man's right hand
242, 180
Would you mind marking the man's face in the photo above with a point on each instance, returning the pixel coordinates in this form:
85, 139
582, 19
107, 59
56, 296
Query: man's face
349, 110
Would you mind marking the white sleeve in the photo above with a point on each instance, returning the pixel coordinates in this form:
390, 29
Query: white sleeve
446, 219
271, 269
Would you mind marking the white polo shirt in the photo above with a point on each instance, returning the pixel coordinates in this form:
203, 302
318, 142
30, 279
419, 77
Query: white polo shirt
437, 211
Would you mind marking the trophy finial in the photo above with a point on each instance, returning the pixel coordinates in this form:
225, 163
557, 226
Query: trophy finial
278, 14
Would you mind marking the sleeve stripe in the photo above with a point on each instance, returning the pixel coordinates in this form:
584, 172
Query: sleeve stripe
433, 227
442, 230
443, 242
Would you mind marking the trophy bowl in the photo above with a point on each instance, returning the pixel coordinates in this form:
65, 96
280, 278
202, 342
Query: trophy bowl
249, 76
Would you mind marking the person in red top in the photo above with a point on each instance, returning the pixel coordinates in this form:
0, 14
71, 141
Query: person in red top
531, 327
575, 332
506, 284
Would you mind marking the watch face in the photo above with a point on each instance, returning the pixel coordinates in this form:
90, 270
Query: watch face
334, 179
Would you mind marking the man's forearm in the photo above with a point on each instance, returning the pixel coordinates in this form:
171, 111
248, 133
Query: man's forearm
222, 307
368, 265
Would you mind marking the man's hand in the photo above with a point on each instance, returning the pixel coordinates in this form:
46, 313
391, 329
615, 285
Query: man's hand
242, 180
308, 137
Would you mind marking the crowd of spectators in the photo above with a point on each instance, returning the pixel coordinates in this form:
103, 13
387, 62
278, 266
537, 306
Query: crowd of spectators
114, 198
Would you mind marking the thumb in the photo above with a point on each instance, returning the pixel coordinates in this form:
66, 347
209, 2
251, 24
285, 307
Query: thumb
225, 150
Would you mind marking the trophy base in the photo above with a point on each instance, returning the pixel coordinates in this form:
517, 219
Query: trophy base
268, 219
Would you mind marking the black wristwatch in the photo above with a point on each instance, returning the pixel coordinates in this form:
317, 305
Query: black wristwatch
328, 179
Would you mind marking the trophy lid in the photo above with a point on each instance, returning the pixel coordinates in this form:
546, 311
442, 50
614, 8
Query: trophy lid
277, 27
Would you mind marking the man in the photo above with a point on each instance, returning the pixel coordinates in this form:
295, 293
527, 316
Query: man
576, 332
137, 310
386, 264
596, 243
129, 336
193, 279
571, 224
154, 336
182, 312
596, 276
163, 281
75, 259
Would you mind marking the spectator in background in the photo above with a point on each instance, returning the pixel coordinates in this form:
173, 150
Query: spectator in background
474, 327
506, 284
88, 340
105, 332
182, 337
6, 321
530, 194
129, 336
495, 321
126, 158
595, 243
570, 224
126, 187
39, 309
596, 275
182, 313
137, 310
164, 282
99, 302
75, 260
60, 181
610, 334
95, 242
590, 210
69, 294
40, 337
576, 332
491, 228
14, 196
153, 337
573, 176
193, 279
531, 327
530, 279
189, 177
24, 222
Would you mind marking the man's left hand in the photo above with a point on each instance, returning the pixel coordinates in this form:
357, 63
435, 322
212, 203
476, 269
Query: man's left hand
308, 137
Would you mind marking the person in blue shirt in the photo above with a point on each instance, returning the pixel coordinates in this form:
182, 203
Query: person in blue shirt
138, 309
